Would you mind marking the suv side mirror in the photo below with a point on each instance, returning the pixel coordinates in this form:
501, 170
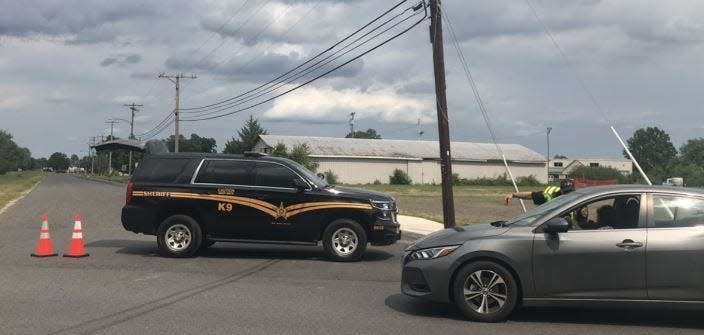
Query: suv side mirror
556, 225
300, 184
321, 176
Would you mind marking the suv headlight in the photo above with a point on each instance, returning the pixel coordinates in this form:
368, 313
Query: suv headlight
432, 253
383, 205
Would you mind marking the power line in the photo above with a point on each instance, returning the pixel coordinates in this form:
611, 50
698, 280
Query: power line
223, 108
288, 30
304, 63
310, 69
480, 103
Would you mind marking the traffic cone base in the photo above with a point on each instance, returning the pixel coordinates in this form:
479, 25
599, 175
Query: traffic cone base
44, 244
76, 248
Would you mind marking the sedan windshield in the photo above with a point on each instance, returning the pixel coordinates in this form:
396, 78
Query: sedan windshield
528, 217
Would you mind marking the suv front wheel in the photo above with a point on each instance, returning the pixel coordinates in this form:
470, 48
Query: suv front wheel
179, 236
344, 240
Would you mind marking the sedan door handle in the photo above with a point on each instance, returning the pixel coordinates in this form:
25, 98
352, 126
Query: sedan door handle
629, 244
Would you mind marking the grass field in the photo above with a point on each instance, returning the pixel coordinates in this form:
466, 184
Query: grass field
12, 184
473, 204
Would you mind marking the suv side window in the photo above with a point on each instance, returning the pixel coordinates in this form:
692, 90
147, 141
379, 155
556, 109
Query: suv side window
677, 211
274, 175
230, 172
160, 170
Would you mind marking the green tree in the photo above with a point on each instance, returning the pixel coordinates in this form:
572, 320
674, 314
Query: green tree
193, 144
58, 161
651, 147
12, 156
249, 136
300, 153
400, 177
693, 151
369, 133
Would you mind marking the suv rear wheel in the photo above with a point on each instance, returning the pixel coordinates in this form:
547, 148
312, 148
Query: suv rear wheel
179, 236
485, 291
344, 240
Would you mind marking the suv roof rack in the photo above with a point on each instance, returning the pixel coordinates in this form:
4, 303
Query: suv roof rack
254, 154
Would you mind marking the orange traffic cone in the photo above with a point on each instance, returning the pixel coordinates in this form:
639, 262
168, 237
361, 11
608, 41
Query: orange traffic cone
44, 244
76, 249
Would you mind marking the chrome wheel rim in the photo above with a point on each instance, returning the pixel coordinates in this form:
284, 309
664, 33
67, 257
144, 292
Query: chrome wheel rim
177, 237
344, 241
485, 291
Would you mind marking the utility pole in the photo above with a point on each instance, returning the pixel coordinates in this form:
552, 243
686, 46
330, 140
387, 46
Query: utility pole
448, 205
176, 79
112, 138
93, 142
548, 135
133, 109
351, 122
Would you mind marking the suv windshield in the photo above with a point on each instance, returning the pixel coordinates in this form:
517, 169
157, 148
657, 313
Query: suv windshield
309, 175
528, 217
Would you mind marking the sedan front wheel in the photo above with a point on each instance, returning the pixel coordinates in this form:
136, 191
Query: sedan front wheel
485, 291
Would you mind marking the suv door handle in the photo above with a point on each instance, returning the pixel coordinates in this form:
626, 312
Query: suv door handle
629, 244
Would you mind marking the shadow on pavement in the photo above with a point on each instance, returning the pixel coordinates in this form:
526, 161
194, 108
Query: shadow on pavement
417, 307
652, 317
237, 250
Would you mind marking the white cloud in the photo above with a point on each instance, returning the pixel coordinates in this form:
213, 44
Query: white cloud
325, 103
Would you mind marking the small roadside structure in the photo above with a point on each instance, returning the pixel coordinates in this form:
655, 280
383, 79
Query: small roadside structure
362, 161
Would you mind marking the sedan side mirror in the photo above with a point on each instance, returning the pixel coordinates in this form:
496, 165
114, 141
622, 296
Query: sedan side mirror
556, 225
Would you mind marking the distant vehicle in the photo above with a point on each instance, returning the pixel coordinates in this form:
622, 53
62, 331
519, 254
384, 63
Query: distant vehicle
646, 246
674, 181
190, 201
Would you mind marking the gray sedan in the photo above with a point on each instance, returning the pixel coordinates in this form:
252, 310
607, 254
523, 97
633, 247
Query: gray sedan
624, 244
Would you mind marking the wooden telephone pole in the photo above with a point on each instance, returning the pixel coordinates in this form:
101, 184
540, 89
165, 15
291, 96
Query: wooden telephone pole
448, 204
133, 109
176, 79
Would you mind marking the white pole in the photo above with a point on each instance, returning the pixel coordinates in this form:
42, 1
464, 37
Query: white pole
635, 162
515, 187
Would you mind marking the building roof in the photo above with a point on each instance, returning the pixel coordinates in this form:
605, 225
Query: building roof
404, 149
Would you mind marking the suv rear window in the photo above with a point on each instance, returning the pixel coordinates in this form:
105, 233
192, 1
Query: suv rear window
230, 172
160, 170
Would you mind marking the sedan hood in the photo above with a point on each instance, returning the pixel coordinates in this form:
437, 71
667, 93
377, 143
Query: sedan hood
457, 235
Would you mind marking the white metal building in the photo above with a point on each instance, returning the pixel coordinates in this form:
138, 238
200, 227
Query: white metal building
360, 161
560, 168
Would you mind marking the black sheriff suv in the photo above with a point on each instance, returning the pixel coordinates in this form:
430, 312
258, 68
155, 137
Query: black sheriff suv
190, 201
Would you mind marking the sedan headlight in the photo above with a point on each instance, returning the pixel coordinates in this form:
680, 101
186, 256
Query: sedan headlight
432, 253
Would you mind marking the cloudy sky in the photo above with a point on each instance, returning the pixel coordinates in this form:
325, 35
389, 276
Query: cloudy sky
67, 66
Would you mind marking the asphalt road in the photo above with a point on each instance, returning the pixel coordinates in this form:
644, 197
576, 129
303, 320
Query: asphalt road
125, 288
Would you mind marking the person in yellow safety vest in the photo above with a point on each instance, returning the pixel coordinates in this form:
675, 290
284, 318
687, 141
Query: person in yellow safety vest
549, 193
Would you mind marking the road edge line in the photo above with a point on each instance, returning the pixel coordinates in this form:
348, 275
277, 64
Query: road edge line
22, 195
